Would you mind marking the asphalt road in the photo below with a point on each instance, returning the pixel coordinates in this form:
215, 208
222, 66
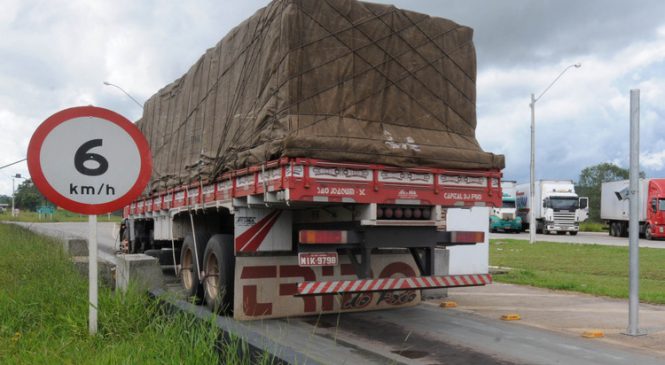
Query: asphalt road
600, 238
106, 242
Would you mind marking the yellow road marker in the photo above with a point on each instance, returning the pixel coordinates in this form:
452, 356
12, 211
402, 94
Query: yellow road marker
593, 334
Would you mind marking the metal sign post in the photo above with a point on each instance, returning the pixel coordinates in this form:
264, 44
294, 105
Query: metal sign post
633, 224
93, 287
89, 160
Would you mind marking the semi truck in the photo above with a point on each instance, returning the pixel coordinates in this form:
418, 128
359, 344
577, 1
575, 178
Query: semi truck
505, 218
615, 207
321, 158
556, 209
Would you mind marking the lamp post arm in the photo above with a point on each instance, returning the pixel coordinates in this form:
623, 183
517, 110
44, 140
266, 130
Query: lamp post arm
123, 90
577, 65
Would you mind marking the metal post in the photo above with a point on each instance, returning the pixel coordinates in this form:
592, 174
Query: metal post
532, 194
92, 273
633, 225
532, 219
13, 196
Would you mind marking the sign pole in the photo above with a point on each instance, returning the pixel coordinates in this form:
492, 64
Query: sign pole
92, 273
92, 161
633, 225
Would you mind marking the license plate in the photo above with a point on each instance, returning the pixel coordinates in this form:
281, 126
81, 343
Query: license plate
317, 259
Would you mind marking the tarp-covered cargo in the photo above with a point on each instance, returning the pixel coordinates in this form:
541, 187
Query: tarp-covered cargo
338, 80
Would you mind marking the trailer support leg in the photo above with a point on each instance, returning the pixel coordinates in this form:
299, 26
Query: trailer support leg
424, 261
364, 266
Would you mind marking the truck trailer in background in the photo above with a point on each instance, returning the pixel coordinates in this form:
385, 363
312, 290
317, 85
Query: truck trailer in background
505, 218
615, 207
320, 159
557, 208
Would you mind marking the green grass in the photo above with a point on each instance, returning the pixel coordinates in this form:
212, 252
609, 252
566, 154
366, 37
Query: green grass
592, 269
43, 316
590, 226
57, 216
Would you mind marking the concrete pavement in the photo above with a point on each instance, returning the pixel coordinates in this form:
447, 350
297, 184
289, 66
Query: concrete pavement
566, 312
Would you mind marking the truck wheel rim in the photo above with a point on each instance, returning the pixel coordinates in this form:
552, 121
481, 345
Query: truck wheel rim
212, 277
187, 270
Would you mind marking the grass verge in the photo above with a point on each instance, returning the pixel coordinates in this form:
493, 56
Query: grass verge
44, 314
589, 226
57, 216
592, 269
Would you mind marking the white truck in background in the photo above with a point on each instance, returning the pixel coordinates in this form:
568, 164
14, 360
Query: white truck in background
556, 208
615, 210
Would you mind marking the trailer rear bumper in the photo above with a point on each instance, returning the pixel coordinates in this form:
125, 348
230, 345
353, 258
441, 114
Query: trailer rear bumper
390, 284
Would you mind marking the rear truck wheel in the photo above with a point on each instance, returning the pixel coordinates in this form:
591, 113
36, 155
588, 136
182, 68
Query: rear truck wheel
573, 233
612, 229
189, 270
623, 230
647, 232
219, 268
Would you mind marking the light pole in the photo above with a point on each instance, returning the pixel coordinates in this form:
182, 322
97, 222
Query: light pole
532, 221
17, 176
123, 90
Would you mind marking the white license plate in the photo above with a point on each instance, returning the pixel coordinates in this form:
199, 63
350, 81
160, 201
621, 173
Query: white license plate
317, 259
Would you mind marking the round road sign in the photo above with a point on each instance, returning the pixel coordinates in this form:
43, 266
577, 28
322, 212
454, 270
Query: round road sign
89, 160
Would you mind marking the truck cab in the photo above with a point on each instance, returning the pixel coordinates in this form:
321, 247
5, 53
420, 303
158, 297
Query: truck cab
556, 206
505, 218
562, 212
655, 224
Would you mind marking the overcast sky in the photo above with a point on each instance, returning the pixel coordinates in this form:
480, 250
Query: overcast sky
56, 54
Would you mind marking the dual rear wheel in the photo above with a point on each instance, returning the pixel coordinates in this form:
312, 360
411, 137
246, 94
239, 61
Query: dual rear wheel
214, 283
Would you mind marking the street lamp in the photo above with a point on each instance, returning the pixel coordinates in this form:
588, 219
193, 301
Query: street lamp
532, 221
17, 176
123, 90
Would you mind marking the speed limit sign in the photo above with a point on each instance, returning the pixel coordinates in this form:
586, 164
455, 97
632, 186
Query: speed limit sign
89, 160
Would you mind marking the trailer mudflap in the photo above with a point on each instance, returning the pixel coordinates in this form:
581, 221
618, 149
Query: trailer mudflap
390, 284
267, 286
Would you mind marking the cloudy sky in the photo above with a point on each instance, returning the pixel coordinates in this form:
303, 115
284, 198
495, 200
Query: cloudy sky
56, 54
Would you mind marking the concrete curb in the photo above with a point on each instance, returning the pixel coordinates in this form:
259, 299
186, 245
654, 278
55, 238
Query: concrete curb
257, 343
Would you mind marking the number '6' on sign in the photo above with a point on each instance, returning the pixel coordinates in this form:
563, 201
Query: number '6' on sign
89, 160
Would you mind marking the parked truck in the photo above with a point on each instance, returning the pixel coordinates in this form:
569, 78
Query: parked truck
556, 208
615, 207
505, 218
320, 158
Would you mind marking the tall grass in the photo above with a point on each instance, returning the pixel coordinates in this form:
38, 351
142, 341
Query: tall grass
43, 315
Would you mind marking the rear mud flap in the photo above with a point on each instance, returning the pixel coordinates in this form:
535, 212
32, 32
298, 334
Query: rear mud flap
266, 287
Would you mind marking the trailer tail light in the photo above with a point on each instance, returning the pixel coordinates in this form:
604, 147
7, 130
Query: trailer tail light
323, 237
459, 237
400, 212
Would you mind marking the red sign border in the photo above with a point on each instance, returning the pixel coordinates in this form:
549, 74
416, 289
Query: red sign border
35, 167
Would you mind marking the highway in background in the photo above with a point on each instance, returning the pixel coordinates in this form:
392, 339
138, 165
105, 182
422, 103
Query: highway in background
601, 238
106, 238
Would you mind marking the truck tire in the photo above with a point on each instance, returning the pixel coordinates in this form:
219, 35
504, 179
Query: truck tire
189, 269
219, 267
613, 229
623, 229
574, 233
647, 232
